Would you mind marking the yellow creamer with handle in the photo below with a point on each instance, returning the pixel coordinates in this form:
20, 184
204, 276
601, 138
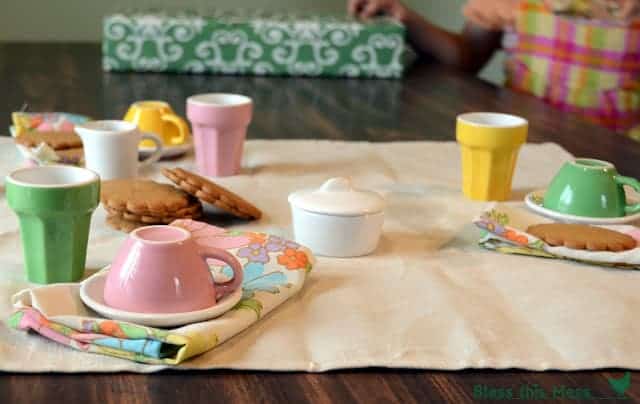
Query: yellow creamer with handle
158, 118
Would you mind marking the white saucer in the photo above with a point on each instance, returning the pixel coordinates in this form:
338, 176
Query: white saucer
167, 151
533, 200
91, 293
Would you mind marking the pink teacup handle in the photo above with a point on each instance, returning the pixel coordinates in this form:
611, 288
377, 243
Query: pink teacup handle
224, 288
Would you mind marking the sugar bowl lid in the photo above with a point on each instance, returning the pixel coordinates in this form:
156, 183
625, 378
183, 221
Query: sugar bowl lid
338, 197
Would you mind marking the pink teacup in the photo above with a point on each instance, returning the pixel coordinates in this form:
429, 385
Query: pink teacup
219, 125
161, 269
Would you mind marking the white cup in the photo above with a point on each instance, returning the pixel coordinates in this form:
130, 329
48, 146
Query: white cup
111, 148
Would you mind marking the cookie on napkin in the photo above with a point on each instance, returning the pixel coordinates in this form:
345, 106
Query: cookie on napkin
55, 140
280, 273
212, 193
582, 237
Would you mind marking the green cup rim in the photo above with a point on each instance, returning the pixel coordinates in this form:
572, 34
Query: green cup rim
91, 177
599, 164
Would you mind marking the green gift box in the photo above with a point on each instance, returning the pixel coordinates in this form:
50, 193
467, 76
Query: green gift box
253, 44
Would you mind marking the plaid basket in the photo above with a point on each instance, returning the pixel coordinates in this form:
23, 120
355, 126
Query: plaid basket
581, 65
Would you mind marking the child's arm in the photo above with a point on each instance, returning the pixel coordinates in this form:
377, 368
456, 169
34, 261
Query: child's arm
468, 51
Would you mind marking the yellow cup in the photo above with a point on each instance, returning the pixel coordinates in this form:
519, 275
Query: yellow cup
489, 143
158, 118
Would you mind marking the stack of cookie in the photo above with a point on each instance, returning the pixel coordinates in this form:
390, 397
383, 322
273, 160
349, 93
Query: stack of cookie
132, 203
67, 145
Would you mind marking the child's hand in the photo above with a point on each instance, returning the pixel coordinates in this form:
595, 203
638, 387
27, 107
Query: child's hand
616, 9
370, 8
631, 9
598, 9
494, 15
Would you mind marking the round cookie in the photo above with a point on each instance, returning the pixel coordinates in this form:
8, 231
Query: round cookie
194, 212
55, 140
144, 197
582, 237
212, 193
194, 209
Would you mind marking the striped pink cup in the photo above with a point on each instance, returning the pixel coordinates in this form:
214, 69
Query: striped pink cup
219, 125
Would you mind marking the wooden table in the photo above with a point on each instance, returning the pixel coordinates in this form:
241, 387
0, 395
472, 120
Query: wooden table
423, 106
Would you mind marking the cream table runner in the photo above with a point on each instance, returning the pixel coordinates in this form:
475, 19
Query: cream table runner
429, 297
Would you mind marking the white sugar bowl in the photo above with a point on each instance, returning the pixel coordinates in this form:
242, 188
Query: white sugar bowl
337, 220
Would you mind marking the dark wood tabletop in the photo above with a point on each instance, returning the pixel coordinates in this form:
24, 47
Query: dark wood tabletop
422, 106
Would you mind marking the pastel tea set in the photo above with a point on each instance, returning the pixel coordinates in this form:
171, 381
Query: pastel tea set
111, 148
160, 276
586, 191
219, 124
337, 220
157, 117
54, 205
489, 146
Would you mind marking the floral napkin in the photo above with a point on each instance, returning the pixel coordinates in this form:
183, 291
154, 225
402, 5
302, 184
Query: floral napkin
503, 228
275, 269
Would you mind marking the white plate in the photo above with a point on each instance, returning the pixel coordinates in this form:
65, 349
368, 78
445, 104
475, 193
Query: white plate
167, 151
91, 293
533, 200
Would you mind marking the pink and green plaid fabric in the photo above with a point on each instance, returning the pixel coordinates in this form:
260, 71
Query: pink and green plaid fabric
585, 66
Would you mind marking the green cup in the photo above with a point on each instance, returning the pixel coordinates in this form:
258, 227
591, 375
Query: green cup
592, 188
54, 205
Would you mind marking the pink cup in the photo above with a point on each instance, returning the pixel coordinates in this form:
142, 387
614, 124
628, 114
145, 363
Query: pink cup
219, 125
161, 269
